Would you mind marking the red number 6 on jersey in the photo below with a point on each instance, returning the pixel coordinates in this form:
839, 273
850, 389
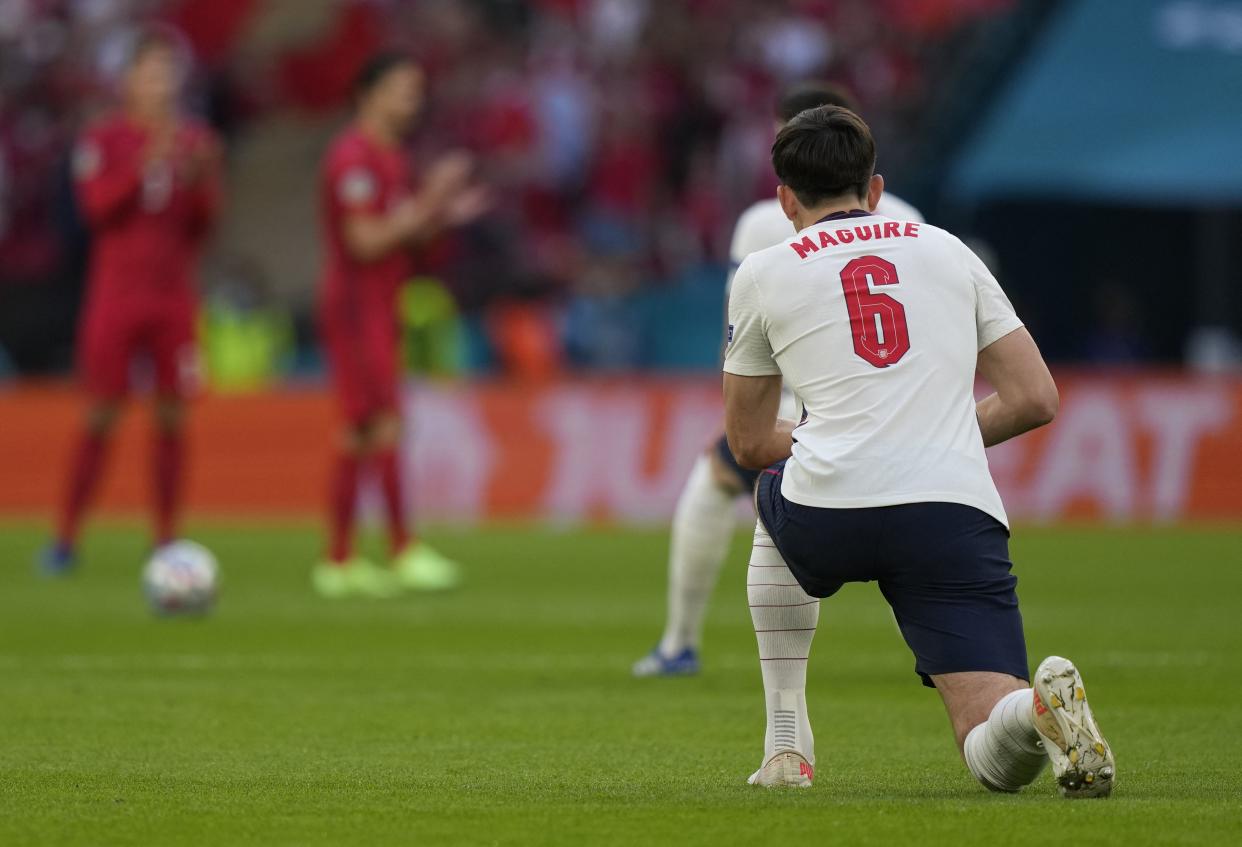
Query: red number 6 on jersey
877, 321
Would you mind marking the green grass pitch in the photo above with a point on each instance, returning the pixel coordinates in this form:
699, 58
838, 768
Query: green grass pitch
504, 713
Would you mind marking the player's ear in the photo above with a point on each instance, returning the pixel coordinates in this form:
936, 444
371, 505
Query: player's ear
875, 188
789, 202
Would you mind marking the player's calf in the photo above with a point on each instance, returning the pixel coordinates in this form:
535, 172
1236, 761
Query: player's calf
785, 618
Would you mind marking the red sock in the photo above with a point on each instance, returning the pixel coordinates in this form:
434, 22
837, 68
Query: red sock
388, 464
83, 476
168, 465
343, 498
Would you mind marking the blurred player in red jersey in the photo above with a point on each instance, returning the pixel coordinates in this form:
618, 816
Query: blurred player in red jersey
375, 220
148, 184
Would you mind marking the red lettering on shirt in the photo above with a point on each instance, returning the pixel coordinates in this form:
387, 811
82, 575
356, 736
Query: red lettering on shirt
803, 247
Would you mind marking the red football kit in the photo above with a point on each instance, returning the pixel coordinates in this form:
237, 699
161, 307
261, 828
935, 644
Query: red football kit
357, 307
148, 221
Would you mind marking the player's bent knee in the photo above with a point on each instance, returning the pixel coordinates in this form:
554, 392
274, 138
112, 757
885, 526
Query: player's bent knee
724, 476
970, 696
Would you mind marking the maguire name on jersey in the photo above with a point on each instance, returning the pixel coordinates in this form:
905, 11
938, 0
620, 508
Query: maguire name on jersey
876, 325
764, 224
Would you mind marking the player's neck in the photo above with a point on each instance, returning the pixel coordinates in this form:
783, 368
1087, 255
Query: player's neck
809, 217
378, 130
149, 116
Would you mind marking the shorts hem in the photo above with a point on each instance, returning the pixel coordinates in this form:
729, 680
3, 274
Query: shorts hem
1023, 673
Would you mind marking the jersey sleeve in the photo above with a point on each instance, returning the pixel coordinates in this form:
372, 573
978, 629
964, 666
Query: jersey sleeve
354, 184
747, 349
994, 314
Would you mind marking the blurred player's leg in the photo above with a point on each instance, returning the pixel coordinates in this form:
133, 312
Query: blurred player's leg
84, 474
698, 545
168, 467
170, 338
386, 438
785, 618
342, 505
416, 564
105, 346
345, 574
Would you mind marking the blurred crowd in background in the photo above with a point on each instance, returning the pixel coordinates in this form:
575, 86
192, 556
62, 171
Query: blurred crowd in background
622, 137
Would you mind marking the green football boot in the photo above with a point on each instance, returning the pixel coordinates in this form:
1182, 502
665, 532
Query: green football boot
420, 568
356, 578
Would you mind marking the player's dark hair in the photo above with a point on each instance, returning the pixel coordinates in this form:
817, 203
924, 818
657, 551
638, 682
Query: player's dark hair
824, 153
376, 68
812, 94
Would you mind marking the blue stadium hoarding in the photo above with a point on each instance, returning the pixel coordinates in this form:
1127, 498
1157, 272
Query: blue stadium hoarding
1135, 101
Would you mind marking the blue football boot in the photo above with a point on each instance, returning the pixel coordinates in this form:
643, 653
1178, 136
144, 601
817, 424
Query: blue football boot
655, 663
57, 559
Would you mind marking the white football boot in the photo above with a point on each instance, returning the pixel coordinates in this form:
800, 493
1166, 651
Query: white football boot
786, 769
1081, 759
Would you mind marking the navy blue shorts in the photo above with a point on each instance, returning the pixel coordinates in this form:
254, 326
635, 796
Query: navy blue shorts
745, 478
943, 567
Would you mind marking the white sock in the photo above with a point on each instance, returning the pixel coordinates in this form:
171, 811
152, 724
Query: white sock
785, 618
702, 531
1004, 752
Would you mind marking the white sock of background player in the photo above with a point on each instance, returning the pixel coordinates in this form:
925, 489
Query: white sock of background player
1004, 752
702, 531
785, 618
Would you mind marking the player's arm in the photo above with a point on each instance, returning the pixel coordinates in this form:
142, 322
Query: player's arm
752, 380
1026, 396
757, 437
108, 183
446, 199
205, 175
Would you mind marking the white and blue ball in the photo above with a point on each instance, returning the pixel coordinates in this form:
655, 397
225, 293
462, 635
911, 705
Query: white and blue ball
181, 578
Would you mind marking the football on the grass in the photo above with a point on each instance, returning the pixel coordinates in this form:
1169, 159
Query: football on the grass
181, 578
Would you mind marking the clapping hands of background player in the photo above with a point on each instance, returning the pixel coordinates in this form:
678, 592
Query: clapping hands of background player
202, 157
448, 185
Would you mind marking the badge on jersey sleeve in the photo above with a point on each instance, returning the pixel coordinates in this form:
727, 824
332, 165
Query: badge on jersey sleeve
357, 187
87, 159
729, 335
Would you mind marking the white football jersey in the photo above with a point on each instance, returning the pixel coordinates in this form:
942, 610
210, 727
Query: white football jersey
876, 324
764, 224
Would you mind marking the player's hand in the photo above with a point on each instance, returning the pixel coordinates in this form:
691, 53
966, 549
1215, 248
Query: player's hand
160, 143
203, 160
448, 175
408, 216
468, 205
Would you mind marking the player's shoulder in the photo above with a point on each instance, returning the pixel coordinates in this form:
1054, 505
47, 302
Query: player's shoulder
760, 226
104, 127
348, 147
760, 212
